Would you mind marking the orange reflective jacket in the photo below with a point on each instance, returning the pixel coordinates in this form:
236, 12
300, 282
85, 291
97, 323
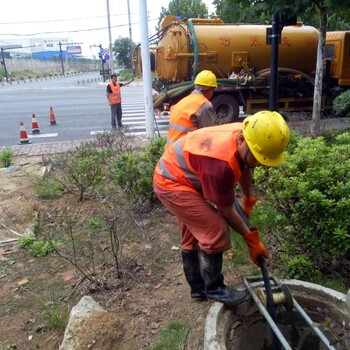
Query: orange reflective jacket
174, 172
115, 97
180, 114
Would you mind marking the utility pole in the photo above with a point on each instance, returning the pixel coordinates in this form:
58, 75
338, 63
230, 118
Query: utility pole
130, 33
9, 47
61, 55
110, 38
4, 64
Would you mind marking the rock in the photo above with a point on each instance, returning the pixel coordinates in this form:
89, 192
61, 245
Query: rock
91, 327
22, 282
348, 299
13, 168
78, 315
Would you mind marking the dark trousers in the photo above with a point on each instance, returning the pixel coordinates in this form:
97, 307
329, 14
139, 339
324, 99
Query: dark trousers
116, 115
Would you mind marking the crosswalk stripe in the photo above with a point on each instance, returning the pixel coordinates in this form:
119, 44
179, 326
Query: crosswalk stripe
38, 136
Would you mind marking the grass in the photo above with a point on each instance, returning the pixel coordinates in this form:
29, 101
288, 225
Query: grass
173, 336
53, 316
48, 189
238, 254
6, 345
331, 283
6, 157
266, 218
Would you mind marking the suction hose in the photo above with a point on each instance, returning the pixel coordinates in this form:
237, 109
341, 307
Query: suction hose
163, 96
270, 303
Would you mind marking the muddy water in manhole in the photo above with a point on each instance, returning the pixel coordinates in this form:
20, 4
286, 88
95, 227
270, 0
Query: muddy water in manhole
254, 333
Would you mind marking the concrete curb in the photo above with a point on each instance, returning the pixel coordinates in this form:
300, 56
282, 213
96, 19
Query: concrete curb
39, 149
219, 316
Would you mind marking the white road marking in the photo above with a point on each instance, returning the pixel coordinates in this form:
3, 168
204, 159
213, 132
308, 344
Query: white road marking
38, 136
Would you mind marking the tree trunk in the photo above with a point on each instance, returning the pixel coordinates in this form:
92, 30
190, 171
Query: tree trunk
316, 112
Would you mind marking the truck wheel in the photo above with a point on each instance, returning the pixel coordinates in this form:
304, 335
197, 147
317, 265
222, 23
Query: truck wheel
226, 108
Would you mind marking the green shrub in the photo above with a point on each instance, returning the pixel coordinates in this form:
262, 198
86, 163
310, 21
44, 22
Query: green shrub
341, 103
300, 267
38, 247
311, 189
6, 157
125, 75
48, 188
80, 170
94, 223
134, 173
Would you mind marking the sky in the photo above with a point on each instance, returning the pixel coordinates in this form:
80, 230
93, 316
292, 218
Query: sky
82, 21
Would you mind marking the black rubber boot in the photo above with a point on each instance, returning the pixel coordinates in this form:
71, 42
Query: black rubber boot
193, 276
215, 289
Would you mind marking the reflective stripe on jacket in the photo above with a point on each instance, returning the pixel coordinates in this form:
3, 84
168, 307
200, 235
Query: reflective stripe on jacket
174, 172
115, 97
180, 114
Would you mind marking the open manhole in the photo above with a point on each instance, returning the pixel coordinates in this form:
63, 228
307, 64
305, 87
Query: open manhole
245, 328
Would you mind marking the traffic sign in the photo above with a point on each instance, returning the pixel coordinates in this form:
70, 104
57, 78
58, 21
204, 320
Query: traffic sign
106, 51
105, 71
107, 57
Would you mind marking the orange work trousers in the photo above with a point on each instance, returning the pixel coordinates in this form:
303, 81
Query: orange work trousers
200, 223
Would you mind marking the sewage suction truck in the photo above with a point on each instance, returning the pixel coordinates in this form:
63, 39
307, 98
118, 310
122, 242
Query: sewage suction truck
239, 56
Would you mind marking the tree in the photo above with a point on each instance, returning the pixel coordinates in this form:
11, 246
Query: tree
184, 9
122, 50
237, 11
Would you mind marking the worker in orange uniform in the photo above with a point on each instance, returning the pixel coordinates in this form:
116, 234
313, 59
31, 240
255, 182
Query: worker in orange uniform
194, 111
195, 179
115, 100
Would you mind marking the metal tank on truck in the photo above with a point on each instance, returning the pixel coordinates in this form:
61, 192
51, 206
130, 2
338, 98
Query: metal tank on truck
239, 56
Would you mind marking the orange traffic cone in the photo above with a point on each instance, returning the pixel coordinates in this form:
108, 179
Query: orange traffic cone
35, 126
52, 117
23, 137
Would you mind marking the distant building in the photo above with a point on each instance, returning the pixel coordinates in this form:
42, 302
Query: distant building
42, 48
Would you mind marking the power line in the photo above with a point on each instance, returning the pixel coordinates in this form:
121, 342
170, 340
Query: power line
65, 20
72, 31
59, 20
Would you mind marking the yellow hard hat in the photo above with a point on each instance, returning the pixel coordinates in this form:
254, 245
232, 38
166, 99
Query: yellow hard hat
267, 135
206, 78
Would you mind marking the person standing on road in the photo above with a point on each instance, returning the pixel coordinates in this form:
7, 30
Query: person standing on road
194, 111
115, 101
195, 179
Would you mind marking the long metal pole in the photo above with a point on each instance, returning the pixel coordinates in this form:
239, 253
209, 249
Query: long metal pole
311, 324
274, 61
130, 32
146, 69
4, 64
267, 316
110, 39
61, 56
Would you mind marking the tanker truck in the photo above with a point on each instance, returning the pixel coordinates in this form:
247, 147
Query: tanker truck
239, 56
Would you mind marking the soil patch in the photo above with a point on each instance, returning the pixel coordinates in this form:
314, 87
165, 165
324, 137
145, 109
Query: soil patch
155, 295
